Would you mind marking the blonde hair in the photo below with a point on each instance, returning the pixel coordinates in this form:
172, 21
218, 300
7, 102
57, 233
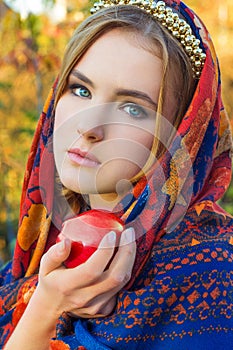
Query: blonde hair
177, 71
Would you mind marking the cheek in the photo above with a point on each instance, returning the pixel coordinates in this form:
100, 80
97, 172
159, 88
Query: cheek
127, 156
65, 126
147, 140
64, 111
124, 147
144, 138
59, 112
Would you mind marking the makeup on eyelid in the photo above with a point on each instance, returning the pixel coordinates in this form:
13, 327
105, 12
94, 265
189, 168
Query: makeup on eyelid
119, 93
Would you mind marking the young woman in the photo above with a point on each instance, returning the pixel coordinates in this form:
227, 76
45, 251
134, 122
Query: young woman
134, 125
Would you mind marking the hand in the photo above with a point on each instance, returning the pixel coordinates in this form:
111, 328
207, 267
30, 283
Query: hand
90, 289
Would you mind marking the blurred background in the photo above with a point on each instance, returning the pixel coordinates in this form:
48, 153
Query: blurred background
33, 35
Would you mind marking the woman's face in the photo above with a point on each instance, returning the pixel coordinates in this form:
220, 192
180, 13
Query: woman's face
104, 122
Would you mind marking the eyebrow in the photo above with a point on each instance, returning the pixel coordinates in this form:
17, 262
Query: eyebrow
76, 73
121, 92
137, 94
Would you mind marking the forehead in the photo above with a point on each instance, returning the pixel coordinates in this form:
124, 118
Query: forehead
119, 57
125, 46
132, 37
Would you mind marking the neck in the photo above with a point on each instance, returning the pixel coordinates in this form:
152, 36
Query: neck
105, 201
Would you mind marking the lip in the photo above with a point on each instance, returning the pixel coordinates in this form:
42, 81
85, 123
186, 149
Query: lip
83, 158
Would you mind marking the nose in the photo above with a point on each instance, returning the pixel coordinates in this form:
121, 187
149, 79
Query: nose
92, 123
92, 135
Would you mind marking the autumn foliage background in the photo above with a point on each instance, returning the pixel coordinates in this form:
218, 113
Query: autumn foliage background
30, 56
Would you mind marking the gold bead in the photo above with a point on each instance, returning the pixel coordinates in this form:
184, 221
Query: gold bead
161, 8
182, 22
192, 58
182, 29
188, 30
197, 52
188, 40
203, 56
175, 26
189, 49
196, 42
146, 4
176, 17
153, 6
169, 11
197, 64
161, 4
176, 33
161, 17
170, 21
193, 38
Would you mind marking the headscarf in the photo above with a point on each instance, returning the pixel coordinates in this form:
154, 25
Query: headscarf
180, 292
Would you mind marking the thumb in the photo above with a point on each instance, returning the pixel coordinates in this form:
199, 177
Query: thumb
55, 256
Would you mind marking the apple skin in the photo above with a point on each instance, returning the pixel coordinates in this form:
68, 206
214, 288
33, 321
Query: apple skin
85, 231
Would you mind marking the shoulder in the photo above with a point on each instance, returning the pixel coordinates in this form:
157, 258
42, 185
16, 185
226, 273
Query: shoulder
202, 243
203, 222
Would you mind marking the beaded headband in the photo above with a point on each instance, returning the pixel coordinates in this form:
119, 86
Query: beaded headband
179, 28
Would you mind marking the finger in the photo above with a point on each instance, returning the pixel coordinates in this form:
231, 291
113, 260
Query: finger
55, 256
94, 294
124, 260
98, 308
127, 237
113, 279
90, 271
107, 308
117, 275
104, 252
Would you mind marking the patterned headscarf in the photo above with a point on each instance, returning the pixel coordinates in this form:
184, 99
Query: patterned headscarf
181, 289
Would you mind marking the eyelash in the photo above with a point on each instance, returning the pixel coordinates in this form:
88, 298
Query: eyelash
142, 112
74, 87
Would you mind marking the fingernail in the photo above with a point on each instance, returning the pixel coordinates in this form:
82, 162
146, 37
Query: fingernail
109, 240
111, 237
128, 235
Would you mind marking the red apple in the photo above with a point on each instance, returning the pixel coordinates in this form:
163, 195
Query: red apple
86, 231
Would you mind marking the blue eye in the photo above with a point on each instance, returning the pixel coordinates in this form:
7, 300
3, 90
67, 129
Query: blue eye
81, 91
134, 110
